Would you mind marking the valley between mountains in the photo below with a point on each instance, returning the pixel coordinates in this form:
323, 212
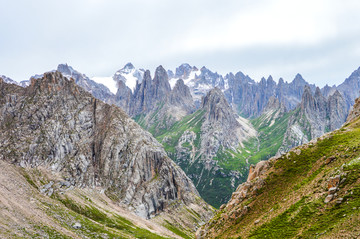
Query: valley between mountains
178, 154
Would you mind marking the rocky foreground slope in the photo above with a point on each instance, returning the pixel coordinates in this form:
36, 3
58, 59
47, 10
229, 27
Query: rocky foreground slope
313, 191
83, 143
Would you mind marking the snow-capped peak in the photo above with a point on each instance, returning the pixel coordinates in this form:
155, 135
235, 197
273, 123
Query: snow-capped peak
129, 75
128, 68
191, 75
8, 80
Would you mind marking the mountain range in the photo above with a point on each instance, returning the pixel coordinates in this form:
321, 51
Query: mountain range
68, 135
279, 116
64, 139
313, 191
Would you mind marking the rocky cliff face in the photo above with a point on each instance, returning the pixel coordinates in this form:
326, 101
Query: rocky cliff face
8, 80
99, 91
55, 124
156, 107
207, 145
221, 127
354, 112
315, 116
350, 88
127, 78
246, 96
273, 110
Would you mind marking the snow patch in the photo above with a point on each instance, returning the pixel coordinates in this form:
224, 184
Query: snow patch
108, 82
172, 82
130, 76
189, 81
130, 81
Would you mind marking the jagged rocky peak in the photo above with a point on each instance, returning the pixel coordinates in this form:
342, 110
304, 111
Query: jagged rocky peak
161, 84
263, 81
273, 105
161, 74
316, 116
181, 89
129, 75
89, 144
216, 106
8, 80
336, 110
220, 119
52, 82
320, 101
99, 91
181, 96
328, 90
299, 80
270, 81
354, 75
351, 87
355, 111
307, 101
128, 67
170, 73
184, 70
318, 92
147, 78
281, 81
65, 69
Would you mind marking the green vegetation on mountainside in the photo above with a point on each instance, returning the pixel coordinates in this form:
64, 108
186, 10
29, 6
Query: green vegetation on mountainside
291, 203
215, 186
156, 122
270, 135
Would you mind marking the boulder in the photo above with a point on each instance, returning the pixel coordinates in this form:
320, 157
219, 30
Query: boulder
334, 181
328, 198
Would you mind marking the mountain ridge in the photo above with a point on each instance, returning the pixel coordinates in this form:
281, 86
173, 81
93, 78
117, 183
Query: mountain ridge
55, 124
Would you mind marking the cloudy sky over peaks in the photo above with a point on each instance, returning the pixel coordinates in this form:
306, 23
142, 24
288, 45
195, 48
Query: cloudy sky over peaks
319, 39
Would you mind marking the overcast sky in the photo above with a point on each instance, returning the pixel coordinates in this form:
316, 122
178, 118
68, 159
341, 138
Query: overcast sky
319, 39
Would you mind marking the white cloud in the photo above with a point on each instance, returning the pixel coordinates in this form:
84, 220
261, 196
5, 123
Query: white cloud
98, 37
268, 23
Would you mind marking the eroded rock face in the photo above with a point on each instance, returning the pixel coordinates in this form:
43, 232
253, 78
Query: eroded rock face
99, 91
157, 105
210, 135
350, 88
355, 111
250, 97
315, 116
181, 97
221, 126
55, 124
256, 171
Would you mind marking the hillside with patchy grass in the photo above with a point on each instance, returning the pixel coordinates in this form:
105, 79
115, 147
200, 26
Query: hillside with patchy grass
311, 192
212, 146
73, 166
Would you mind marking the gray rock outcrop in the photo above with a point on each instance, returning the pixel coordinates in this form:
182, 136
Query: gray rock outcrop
99, 91
315, 116
57, 125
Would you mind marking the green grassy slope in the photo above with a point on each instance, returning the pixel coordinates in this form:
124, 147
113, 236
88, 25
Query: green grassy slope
270, 135
214, 186
291, 202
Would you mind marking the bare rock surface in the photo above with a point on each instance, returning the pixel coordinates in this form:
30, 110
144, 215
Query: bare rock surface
53, 123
